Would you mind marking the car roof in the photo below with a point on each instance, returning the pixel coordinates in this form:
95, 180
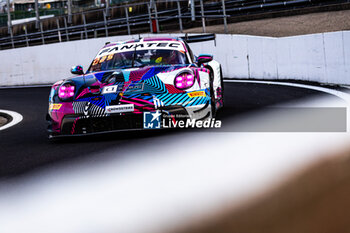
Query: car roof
148, 39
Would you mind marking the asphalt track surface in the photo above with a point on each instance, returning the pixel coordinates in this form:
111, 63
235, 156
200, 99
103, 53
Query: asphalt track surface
25, 147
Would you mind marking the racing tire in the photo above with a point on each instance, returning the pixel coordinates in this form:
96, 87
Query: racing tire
222, 87
212, 97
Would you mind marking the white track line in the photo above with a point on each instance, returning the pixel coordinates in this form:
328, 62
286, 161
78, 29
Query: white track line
28, 86
342, 95
339, 94
16, 118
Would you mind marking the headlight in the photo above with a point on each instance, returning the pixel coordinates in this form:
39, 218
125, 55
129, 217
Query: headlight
66, 91
184, 80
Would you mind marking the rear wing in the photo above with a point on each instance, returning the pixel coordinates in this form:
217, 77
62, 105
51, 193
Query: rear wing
199, 38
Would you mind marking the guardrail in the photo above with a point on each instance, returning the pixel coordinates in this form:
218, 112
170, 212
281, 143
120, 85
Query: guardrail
177, 16
323, 58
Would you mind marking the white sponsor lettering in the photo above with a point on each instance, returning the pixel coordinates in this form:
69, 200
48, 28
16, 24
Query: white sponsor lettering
191, 123
120, 108
172, 45
110, 89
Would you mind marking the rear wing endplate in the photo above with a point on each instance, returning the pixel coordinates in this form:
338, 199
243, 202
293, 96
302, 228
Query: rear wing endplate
199, 38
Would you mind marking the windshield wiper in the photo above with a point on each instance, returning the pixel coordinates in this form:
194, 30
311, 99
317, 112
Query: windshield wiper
142, 65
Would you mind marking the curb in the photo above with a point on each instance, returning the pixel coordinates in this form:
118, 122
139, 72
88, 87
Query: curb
7, 117
12, 117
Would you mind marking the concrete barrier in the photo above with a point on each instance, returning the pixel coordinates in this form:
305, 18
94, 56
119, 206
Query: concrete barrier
321, 58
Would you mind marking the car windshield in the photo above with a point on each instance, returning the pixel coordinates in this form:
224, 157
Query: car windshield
138, 58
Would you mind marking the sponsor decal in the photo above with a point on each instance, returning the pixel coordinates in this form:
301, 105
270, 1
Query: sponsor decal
151, 120
157, 103
140, 46
118, 88
120, 108
86, 109
55, 106
110, 89
132, 87
192, 123
196, 94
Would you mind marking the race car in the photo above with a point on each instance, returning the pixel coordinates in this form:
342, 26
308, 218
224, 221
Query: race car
135, 85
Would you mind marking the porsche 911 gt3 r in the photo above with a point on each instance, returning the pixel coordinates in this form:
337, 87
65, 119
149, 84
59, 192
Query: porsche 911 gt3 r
133, 85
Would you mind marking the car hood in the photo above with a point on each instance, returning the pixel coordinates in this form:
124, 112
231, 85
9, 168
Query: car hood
94, 82
124, 75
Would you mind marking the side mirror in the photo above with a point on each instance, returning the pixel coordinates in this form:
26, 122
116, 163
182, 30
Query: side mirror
204, 58
77, 70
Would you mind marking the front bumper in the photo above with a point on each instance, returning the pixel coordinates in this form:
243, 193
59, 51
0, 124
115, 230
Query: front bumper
74, 125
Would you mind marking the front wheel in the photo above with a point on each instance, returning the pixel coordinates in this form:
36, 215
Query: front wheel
222, 88
212, 97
